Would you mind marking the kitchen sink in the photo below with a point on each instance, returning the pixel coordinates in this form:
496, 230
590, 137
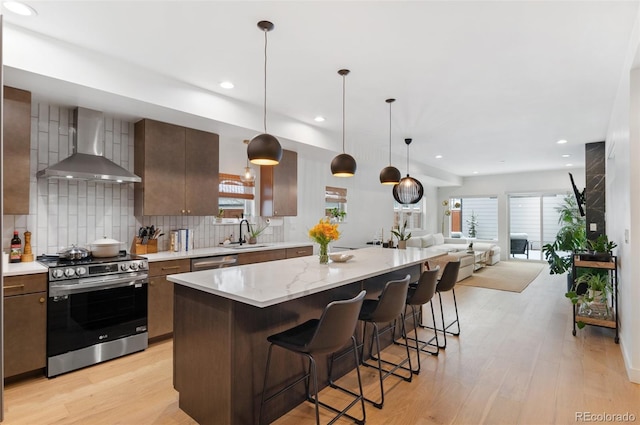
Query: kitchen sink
246, 246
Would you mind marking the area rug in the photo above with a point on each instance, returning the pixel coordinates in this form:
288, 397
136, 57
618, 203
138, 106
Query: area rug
513, 276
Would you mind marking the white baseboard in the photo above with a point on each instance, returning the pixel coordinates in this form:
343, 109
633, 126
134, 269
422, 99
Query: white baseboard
632, 373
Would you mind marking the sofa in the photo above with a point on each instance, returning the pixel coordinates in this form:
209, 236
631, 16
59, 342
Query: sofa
451, 245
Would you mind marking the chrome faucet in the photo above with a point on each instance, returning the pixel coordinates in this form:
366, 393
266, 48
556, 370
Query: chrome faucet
242, 240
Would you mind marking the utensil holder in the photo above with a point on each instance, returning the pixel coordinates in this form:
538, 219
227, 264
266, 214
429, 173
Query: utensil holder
137, 247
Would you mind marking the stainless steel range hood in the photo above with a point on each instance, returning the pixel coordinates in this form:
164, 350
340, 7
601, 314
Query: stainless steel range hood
87, 161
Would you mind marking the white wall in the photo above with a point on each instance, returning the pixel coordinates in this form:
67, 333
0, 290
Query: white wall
502, 185
623, 202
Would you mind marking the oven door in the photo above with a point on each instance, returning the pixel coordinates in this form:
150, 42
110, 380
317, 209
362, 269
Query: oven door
85, 312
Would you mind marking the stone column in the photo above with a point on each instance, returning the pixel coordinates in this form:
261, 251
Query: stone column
595, 189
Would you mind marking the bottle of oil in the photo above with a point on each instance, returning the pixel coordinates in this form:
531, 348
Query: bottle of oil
16, 248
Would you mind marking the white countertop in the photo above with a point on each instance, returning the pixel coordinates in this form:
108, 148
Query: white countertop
270, 283
16, 269
222, 250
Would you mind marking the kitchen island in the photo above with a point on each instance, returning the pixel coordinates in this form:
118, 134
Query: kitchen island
222, 319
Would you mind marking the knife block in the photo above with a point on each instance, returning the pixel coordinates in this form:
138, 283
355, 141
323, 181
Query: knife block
138, 248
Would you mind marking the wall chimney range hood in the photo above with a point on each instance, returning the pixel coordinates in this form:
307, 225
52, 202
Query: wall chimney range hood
87, 161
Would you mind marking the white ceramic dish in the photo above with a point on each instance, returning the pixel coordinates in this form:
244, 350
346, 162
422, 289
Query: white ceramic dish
340, 257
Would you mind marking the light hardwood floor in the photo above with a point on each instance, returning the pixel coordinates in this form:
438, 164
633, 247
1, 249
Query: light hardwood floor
515, 362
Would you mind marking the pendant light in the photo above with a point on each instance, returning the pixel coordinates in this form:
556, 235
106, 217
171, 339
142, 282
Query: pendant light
390, 174
264, 149
343, 165
249, 175
409, 190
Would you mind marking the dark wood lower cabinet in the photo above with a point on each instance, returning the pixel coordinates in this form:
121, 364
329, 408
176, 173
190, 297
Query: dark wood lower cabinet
160, 307
160, 296
25, 324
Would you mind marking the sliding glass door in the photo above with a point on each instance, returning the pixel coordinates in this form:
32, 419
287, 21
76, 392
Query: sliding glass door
533, 222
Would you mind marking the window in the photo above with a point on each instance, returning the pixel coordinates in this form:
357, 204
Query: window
476, 218
411, 213
236, 198
335, 203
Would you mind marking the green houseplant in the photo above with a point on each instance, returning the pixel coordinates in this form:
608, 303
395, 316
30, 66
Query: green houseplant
590, 291
572, 237
337, 213
400, 233
255, 231
599, 249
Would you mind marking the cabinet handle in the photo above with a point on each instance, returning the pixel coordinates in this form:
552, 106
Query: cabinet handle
170, 268
301, 252
182, 211
14, 286
41, 300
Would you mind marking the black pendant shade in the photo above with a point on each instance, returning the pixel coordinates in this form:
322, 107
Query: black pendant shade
265, 149
390, 174
409, 190
343, 165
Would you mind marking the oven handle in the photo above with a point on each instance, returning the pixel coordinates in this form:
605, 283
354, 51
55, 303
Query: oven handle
77, 288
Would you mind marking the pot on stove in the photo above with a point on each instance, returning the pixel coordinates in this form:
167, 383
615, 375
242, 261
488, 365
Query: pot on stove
105, 247
74, 253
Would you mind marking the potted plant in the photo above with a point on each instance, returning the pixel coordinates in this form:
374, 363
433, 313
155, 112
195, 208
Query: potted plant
591, 292
599, 249
255, 231
472, 222
220, 215
403, 237
337, 213
571, 237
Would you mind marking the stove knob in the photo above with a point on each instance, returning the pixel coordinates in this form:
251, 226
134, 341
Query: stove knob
81, 271
133, 266
142, 265
124, 267
69, 272
57, 273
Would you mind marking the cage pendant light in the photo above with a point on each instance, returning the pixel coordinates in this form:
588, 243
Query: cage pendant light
264, 149
390, 174
248, 175
409, 190
343, 165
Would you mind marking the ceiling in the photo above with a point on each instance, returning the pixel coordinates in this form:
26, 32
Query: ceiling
490, 86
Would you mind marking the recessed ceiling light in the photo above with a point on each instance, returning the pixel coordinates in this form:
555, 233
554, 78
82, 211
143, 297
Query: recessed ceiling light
566, 155
475, 172
319, 119
227, 85
19, 8
561, 142
568, 165
438, 156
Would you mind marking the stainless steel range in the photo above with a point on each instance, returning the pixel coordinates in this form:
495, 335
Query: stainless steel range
96, 310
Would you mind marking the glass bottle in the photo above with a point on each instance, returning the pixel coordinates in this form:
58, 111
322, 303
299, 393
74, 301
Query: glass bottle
16, 248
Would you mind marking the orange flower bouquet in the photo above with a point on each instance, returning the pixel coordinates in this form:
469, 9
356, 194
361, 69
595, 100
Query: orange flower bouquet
323, 233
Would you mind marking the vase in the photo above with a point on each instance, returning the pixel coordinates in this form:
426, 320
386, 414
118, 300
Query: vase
253, 240
402, 244
324, 255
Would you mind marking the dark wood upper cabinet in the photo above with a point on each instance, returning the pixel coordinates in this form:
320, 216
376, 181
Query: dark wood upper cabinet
279, 187
179, 170
17, 146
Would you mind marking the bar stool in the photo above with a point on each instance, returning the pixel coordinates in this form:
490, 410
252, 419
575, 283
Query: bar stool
387, 308
419, 294
321, 336
447, 283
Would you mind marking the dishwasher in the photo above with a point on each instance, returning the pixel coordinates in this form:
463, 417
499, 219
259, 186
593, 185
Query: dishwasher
208, 263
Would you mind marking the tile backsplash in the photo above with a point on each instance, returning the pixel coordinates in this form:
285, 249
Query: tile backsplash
66, 212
